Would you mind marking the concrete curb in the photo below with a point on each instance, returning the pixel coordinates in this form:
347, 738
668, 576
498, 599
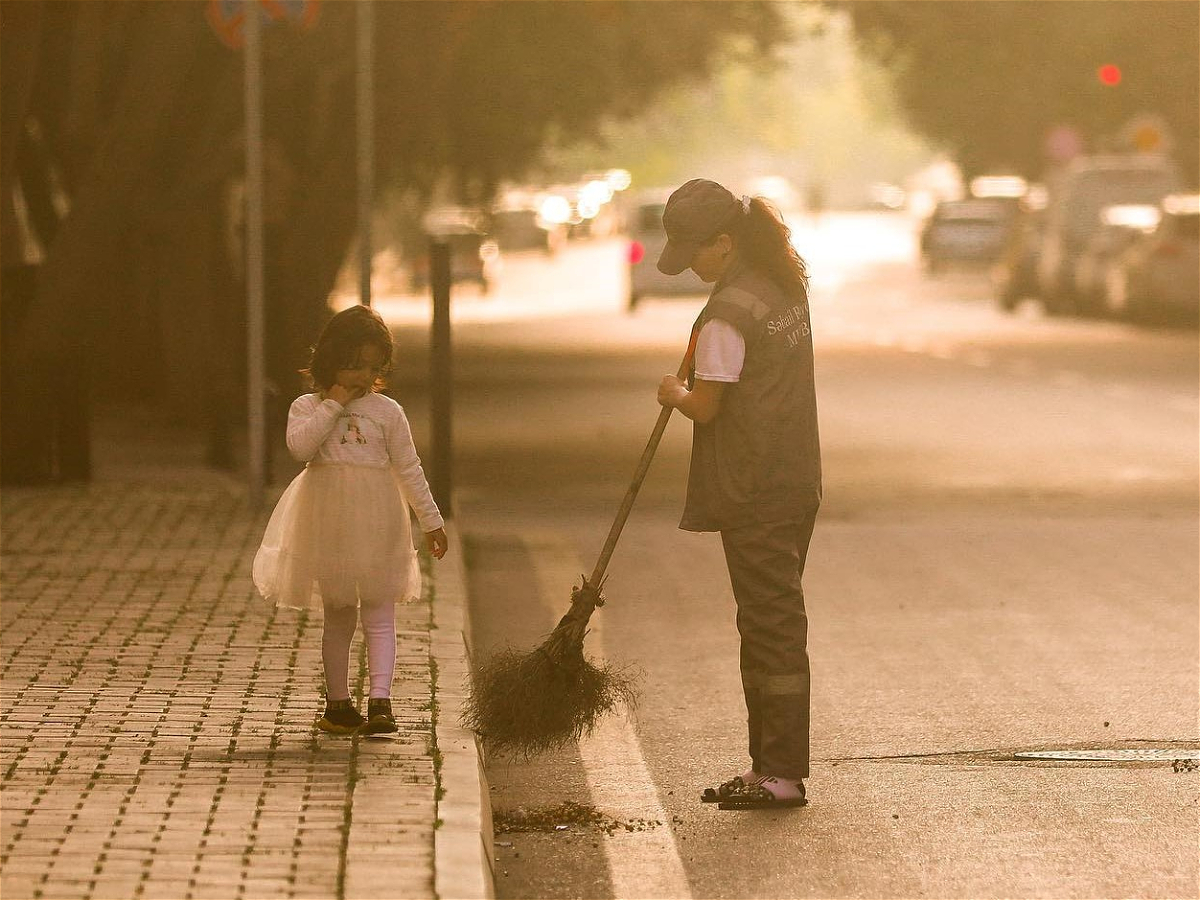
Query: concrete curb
463, 841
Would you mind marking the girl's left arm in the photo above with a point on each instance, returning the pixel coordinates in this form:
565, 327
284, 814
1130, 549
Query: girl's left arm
411, 477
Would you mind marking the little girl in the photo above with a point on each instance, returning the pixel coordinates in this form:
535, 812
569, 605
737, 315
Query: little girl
340, 536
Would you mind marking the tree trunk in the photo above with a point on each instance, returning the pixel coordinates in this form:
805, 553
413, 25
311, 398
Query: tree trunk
22, 456
77, 313
20, 34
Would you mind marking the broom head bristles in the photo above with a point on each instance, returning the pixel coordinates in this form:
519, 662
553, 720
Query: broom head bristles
528, 703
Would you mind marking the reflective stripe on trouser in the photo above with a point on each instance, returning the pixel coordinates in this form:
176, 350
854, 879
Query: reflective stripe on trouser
766, 563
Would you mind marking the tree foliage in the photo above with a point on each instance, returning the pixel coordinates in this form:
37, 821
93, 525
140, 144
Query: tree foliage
989, 79
123, 127
815, 112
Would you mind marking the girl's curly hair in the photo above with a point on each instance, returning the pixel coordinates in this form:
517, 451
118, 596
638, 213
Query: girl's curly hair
341, 341
765, 242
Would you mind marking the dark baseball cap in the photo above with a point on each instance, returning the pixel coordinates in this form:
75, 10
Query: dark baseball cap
695, 213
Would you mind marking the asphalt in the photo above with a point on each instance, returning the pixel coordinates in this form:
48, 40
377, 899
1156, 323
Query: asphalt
156, 716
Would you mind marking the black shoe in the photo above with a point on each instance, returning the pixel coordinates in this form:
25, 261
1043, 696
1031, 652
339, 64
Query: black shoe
379, 717
340, 717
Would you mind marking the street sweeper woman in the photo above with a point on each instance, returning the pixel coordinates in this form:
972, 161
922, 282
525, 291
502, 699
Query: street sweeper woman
755, 469
339, 537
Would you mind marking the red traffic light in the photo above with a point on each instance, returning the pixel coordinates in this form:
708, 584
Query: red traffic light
1109, 75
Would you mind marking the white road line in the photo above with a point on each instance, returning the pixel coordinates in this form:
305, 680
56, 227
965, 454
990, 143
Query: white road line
642, 864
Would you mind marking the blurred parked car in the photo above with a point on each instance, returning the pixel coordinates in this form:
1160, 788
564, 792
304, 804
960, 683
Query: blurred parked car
646, 242
1159, 274
524, 229
1120, 226
474, 254
966, 232
1077, 196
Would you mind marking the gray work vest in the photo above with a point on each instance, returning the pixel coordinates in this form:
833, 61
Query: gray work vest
759, 459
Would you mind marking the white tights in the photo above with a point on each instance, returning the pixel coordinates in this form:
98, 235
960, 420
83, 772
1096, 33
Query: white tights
379, 628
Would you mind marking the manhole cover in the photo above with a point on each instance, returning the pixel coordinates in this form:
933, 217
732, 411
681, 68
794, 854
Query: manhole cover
1118, 754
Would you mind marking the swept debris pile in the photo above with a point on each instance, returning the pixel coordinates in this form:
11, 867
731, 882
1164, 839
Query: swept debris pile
561, 817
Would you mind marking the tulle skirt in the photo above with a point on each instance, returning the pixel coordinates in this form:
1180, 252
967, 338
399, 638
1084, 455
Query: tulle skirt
339, 535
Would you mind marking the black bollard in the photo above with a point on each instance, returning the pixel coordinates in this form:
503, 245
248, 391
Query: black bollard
440, 377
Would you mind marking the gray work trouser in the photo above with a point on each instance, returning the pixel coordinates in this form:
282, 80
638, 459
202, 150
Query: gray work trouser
766, 563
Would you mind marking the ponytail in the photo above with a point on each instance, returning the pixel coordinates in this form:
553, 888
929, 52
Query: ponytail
765, 243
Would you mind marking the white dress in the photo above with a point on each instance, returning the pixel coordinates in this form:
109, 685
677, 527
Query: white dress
340, 533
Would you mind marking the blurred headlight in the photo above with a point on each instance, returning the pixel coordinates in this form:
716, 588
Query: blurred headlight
594, 194
1182, 204
998, 186
1144, 218
555, 209
618, 179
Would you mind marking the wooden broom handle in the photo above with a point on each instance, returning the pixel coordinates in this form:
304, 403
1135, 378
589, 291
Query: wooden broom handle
639, 475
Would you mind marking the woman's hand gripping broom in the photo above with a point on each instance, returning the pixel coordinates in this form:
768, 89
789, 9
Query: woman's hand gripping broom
527, 703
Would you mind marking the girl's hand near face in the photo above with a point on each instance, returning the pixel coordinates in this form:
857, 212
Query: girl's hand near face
437, 542
343, 395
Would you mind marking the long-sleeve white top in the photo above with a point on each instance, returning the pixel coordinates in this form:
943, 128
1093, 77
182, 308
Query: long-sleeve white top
369, 431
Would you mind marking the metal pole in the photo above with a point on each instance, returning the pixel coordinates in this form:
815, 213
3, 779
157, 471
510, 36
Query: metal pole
440, 377
255, 380
365, 20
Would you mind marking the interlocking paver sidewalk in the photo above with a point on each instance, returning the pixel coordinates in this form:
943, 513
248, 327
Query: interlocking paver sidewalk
156, 717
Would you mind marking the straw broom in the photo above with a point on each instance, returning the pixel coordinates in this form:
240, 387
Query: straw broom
528, 703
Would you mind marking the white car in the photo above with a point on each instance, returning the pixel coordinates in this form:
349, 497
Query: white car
1077, 195
646, 242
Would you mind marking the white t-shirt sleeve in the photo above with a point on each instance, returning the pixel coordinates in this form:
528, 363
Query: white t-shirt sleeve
720, 352
408, 471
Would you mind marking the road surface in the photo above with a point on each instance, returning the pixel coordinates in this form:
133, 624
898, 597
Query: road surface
1005, 560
